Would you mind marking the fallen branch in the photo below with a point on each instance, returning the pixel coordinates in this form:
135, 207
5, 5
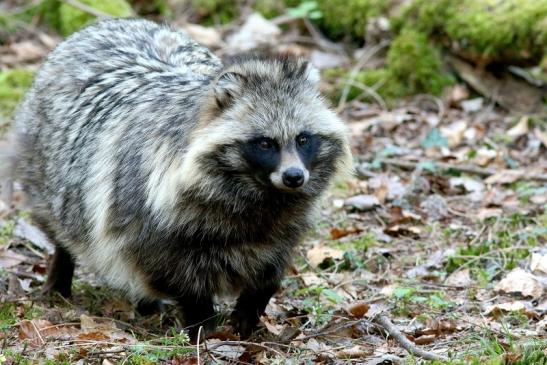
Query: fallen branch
475, 170
405, 342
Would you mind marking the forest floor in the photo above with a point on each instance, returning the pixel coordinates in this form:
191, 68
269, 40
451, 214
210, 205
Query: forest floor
442, 230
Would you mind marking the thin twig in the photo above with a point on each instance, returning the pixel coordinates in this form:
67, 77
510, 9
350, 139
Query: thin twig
38, 332
405, 342
355, 71
368, 91
88, 9
480, 171
197, 343
321, 40
284, 19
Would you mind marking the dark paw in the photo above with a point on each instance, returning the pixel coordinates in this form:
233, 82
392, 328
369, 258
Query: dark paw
52, 287
245, 324
201, 330
149, 307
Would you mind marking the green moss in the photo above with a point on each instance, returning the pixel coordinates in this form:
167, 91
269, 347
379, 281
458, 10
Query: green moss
413, 66
482, 29
71, 19
412, 62
13, 85
6, 231
214, 11
349, 17
269, 8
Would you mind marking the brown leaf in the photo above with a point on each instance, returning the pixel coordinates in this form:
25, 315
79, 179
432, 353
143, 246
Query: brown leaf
397, 231
38, 330
310, 278
457, 94
358, 309
274, 328
425, 340
354, 352
318, 254
485, 213
336, 233
460, 278
105, 326
93, 336
496, 310
520, 281
504, 177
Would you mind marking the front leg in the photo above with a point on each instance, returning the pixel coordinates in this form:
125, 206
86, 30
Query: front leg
250, 306
198, 312
60, 273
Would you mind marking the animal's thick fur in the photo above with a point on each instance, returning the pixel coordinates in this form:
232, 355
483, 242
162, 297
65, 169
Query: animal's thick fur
130, 147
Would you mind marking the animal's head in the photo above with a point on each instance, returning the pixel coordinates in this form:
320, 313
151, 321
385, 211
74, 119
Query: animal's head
266, 127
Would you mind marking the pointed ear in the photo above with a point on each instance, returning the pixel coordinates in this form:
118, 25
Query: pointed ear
312, 74
228, 86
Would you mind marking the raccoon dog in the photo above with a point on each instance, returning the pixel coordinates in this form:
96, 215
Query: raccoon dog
170, 174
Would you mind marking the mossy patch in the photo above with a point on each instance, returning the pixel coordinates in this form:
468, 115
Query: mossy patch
71, 19
342, 18
13, 85
488, 30
413, 66
216, 12
67, 19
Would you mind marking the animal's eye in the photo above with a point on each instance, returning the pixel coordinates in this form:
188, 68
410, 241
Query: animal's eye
265, 144
302, 140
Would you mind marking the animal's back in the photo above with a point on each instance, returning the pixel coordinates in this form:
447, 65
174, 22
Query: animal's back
91, 118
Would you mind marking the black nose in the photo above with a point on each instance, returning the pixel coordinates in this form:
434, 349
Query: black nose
293, 177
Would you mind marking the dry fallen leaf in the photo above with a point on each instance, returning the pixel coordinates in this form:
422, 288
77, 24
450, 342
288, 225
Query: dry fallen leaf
484, 156
472, 105
358, 309
457, 93
425, 340
103, 327
336, 233
454, 132
362, 202
496, 310
322, 60
354, 352
397, 231
520, 129
538, 262
522, 282
37, 331
271, 326
207, 36
255, 32
504, 177
309, 278
318, 254
485, 213
460, 278
232, 352
387, 187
